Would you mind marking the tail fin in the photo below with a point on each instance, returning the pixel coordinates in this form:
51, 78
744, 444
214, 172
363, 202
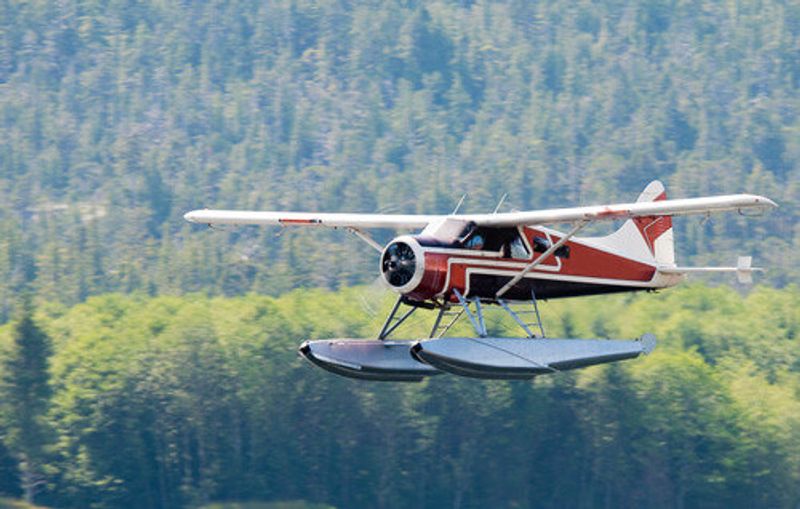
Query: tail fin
656, 230
649, 237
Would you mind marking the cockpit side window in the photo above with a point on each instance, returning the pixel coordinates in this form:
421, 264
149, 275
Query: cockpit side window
517, 249
506, 241
541, 244
475, 241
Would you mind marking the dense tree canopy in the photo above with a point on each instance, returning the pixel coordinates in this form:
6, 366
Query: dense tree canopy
173, 379
168, 401
118, 117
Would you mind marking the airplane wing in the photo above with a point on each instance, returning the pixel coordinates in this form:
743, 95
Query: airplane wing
706, 205
678, 207
331, 219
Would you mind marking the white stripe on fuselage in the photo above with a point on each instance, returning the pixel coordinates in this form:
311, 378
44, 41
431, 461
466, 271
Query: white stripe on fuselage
555, 277
493, 263
495, 267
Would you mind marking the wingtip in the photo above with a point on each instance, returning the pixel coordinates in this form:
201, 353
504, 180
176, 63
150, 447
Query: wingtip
763, 201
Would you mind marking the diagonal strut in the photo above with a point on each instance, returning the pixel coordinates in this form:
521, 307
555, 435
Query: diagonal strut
542, 257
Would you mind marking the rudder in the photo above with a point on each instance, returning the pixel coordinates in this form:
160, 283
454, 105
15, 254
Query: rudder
648, 237
656, 230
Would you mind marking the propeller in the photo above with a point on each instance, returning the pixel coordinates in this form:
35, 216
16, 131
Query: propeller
399, 264
372, 296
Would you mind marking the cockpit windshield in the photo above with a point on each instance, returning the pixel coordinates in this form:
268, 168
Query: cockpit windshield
459, 234
448, 230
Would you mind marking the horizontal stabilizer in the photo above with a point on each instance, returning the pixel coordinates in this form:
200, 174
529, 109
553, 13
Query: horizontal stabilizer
744, 270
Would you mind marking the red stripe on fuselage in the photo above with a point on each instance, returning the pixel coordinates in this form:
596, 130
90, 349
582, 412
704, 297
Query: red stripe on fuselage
586, 261
583, 261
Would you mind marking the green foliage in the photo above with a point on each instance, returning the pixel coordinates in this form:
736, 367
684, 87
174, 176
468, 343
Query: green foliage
9, 471
8, 503
24, 400
116, 119
167, 402
295, 504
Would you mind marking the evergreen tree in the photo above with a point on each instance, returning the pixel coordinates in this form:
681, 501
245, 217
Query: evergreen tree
25, 400
9, 472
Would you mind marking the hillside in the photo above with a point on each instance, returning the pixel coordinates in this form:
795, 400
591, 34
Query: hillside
117, 117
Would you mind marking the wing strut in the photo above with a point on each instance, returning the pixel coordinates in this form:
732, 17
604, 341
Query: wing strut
477, 322
393, 321
366, 238
542, 257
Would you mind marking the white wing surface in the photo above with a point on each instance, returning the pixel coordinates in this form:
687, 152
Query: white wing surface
678, 207
706, 205
330, 219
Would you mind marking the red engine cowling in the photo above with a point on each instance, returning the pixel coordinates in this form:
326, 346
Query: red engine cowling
410, 269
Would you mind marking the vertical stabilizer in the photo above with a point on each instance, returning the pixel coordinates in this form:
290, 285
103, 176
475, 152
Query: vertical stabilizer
656, 230
646, 238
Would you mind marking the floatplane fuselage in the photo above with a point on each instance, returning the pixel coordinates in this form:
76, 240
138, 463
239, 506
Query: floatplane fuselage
458, 263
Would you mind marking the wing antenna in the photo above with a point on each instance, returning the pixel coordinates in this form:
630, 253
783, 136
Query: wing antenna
500, 203
455, 210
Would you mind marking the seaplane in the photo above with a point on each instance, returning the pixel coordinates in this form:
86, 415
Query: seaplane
460, 265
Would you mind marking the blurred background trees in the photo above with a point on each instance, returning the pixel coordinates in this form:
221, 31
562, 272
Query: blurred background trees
179, 385
118, 118
168, 402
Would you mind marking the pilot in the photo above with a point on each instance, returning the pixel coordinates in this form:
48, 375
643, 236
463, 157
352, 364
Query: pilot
476, 242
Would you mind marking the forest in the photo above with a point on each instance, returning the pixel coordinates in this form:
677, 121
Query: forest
178, 401
117, 117
148, 362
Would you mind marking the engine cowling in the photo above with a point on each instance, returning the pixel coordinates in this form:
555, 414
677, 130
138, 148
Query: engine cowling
403, 264
410, 268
